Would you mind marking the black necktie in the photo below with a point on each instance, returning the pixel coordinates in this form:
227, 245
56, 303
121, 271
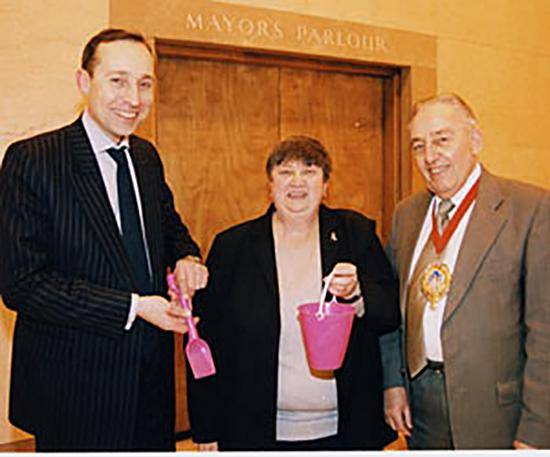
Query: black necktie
132, 236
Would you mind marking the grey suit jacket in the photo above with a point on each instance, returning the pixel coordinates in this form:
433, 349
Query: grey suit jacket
496, 326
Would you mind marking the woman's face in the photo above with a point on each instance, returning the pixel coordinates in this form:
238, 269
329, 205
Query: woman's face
296, 188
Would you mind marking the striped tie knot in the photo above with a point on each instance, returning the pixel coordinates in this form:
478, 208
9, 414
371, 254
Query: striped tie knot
443, 210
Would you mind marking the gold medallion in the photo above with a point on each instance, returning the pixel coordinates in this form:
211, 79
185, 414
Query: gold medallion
435, 282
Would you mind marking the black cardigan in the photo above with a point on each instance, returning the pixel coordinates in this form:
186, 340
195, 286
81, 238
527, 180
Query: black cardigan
240, 319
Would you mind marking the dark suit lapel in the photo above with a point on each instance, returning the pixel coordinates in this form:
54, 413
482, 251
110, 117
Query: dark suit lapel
263, 247
488, 219
330, 239
150, 200
90, 191
407, 242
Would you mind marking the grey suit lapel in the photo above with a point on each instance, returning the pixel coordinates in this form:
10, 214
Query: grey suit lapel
488, 219
408, 240
90, 191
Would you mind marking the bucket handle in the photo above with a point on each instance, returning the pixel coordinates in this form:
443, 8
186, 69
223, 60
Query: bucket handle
320, 314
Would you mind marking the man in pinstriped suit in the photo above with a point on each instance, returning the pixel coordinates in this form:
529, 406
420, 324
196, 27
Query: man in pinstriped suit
92, 365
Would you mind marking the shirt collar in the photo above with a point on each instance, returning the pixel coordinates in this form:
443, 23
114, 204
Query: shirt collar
463, 191
99, 140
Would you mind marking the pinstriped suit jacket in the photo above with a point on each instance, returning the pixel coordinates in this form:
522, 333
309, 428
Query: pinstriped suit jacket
65, 272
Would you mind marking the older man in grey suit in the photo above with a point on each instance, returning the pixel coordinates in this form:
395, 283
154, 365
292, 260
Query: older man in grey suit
470, 366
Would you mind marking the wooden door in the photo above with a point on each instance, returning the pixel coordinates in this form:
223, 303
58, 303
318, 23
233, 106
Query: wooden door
344, 112
215, 120
218, 119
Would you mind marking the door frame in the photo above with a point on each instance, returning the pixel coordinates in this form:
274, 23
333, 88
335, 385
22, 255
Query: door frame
237, 27
396, 166
396, 175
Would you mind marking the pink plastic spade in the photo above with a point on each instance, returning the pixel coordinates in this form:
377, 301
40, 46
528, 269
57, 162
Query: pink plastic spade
197, 350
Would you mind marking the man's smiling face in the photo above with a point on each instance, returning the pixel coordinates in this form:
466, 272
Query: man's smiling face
445, 144
120, 89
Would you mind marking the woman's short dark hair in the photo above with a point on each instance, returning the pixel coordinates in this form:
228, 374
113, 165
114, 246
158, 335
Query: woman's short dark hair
302, 149
88, 60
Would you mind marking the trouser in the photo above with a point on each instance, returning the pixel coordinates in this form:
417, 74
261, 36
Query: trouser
154, 421
154, 429
430, 413
329, 443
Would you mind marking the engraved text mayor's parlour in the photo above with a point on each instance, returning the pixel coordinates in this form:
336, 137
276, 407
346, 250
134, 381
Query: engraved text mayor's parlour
271, 30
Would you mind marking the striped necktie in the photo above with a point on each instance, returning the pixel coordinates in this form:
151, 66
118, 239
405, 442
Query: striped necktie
416, 301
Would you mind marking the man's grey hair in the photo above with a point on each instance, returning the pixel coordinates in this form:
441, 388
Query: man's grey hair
449, 99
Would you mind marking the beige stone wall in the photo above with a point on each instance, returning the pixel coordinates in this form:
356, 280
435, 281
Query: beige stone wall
7, 432
495, 53
39, 51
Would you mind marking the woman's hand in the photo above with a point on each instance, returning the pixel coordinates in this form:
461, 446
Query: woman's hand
344, 282
191, 275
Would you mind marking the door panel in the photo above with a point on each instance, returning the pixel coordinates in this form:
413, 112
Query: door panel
217, 122
344, 112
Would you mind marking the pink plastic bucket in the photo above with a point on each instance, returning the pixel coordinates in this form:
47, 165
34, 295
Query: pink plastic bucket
326, 338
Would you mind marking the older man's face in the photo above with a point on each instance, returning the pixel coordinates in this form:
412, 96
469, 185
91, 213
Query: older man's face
120, 90
445, 145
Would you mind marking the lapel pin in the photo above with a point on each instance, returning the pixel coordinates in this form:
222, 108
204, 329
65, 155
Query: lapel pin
333, 236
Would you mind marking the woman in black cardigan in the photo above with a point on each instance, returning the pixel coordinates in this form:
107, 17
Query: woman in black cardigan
264, 396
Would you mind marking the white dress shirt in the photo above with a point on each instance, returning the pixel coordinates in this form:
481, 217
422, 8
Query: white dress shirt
433, 318
100, 142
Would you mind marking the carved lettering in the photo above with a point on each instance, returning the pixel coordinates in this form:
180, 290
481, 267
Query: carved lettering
228, 22
262, 29
278, 30
270, 29
328, 37
381, 44
246, 26
314, 36
194, 22
368, 42
339, 39
213, 23
301, 31
353, 40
